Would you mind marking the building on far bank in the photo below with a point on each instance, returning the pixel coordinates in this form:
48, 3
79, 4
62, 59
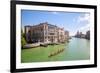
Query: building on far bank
46, 33
67, 35
81, 35
88, 35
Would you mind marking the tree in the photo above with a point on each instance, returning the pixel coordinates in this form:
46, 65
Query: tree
23, 41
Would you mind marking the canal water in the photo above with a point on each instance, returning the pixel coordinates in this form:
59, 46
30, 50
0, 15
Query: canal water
75, 49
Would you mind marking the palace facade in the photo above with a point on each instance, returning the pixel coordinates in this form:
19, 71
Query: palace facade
46, 33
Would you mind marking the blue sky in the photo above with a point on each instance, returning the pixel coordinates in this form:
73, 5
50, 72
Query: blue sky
70, 21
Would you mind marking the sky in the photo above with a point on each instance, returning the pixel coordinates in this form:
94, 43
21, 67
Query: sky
71, 21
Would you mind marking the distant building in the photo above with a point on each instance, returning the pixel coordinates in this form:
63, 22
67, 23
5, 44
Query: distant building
81, 35
66, 35
46, 33
88, 35
77, 34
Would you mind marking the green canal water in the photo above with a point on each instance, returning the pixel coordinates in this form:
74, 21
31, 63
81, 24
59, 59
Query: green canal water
75, 49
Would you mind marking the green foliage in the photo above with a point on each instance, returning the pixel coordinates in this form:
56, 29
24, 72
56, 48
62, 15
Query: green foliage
23, 42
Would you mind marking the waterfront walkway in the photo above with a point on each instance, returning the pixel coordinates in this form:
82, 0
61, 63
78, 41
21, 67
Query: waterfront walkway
32, 45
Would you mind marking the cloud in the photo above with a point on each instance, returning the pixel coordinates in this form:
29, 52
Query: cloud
54, 12
85, 28
72, 33
84, 18
84, 21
